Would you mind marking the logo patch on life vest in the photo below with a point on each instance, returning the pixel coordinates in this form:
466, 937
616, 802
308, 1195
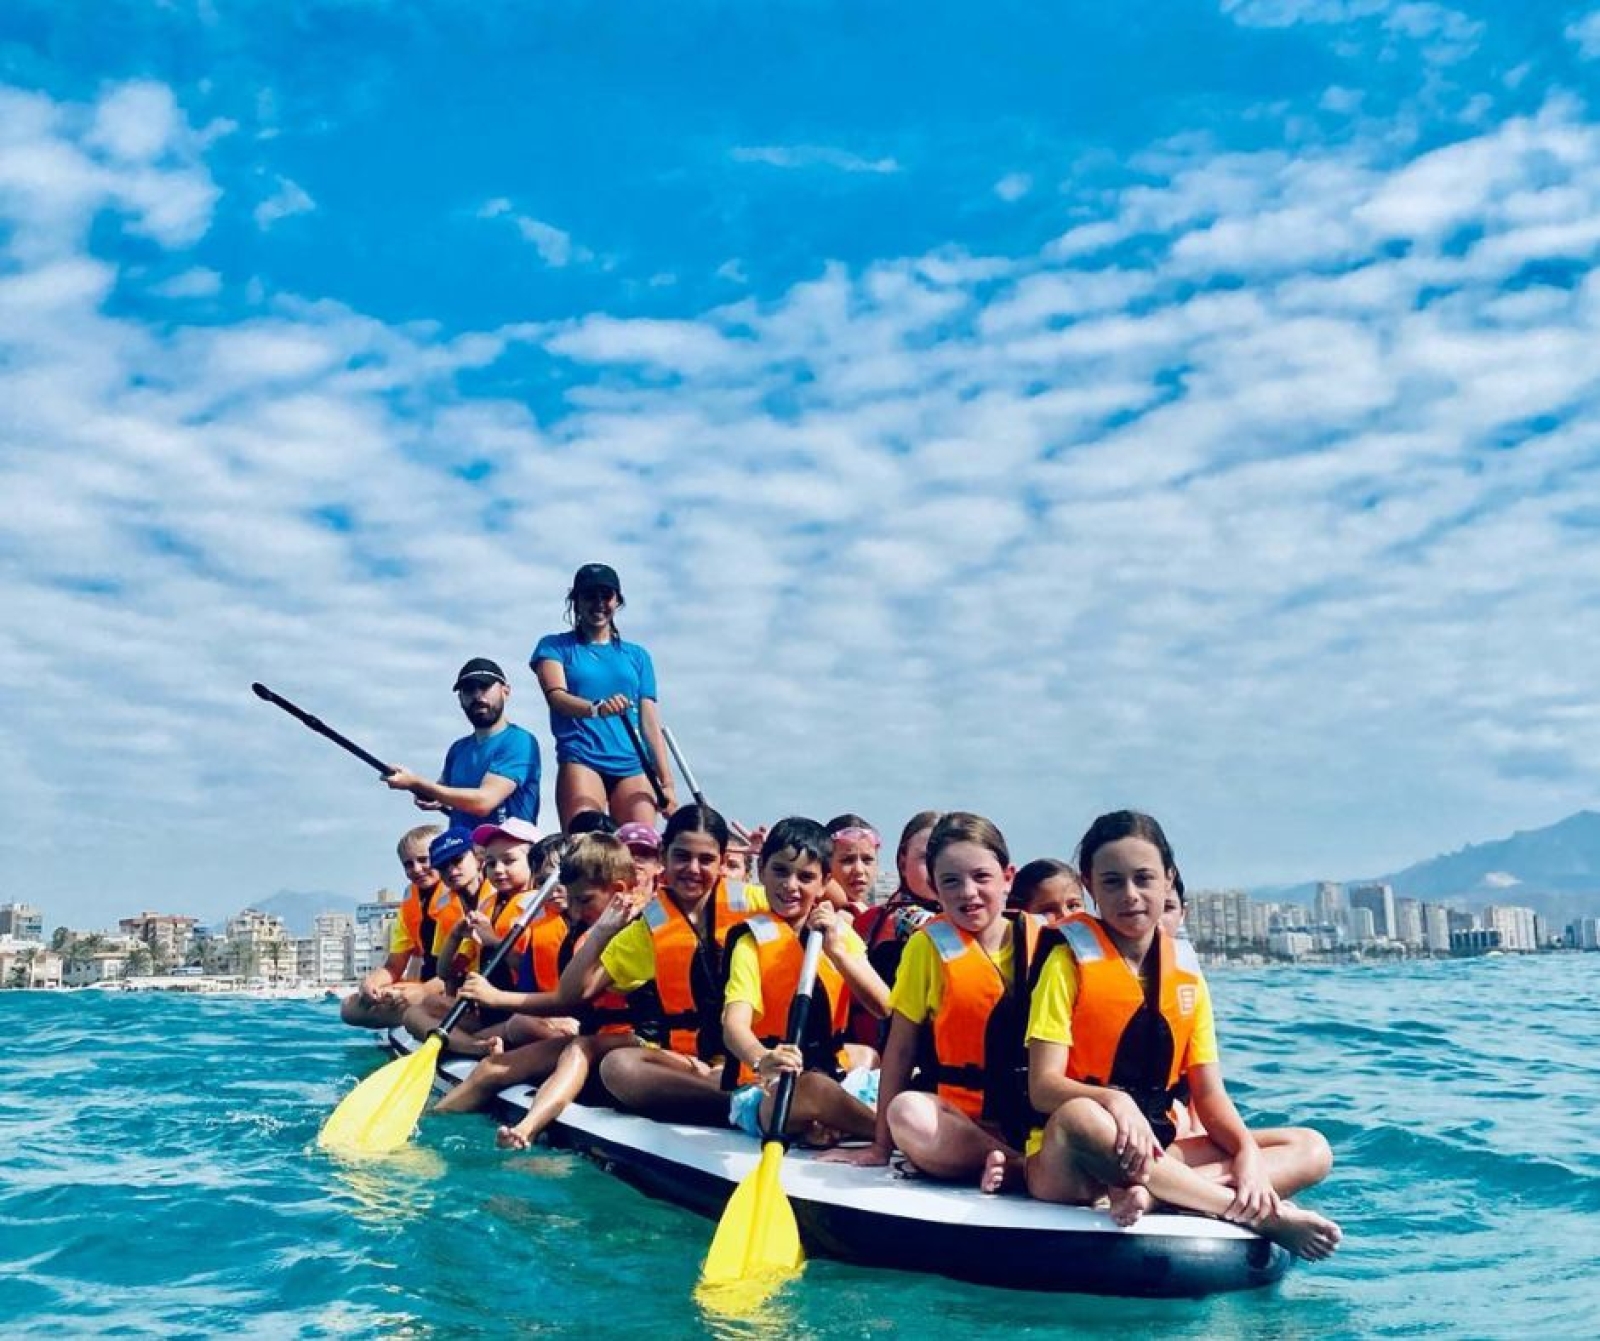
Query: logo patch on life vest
1186, 998
655, 916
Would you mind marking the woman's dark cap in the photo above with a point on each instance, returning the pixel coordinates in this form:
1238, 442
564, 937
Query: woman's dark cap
596, 575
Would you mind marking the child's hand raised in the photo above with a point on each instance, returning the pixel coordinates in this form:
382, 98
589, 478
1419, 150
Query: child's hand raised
623, 909
479, 925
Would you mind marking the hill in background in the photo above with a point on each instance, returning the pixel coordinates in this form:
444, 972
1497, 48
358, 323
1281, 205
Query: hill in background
298, 907
1554, 870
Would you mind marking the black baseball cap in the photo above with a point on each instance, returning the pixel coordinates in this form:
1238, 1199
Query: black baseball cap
596, 575
479, 668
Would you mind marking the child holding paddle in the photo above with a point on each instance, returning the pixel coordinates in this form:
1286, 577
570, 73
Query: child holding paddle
596, 870
762, 963
957, 1008
667, 960
1120, 1016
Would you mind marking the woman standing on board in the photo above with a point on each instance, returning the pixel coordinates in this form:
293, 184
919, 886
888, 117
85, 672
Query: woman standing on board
591, 678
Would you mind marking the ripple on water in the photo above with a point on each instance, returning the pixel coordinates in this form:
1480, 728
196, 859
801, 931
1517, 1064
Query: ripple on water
160, 1177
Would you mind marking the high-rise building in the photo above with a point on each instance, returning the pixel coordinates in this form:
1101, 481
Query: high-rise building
1328, 904
1361, 924
259, 945
168, 935
375, 921
1408, 923
1436, 928
1515, 925
1584, 934
21, 922
1379, 900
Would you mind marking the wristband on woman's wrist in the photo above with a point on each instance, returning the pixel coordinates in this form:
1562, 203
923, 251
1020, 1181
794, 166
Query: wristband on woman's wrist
594, 707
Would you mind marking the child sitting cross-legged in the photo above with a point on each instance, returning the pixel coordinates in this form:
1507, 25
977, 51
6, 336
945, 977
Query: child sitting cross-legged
762, 964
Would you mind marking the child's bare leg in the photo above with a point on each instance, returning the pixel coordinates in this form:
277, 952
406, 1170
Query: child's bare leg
664, 1085
1296, 1158
1079, 1156
578, 1059
943, 1141
822, 1100
498, 1070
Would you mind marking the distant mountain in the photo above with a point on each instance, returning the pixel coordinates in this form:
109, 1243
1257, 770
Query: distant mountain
1554, 870
299, 907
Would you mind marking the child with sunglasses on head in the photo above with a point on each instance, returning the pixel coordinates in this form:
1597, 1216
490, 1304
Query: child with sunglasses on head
1120, 1015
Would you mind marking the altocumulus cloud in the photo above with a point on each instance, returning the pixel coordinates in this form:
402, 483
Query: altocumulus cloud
1262, 499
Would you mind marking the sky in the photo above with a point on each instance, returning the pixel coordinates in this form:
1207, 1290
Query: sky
1037, 410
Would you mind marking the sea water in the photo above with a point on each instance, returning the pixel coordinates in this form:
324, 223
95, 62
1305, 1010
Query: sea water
159, 1176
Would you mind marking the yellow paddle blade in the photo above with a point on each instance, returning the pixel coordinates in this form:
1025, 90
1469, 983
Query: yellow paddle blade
380, 1114
757, 1243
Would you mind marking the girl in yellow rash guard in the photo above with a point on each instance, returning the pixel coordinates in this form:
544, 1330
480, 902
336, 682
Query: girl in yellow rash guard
1120, 1014
958, 988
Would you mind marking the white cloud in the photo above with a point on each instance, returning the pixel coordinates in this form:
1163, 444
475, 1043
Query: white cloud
812, 156
1584, 33
1013, 186
288, 200
553, 245
196, 282
1254, 533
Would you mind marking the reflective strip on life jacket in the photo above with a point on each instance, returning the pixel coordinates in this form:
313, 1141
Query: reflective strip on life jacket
779, 955
683, 1000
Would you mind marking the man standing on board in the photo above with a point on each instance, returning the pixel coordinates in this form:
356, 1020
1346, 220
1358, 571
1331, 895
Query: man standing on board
493, 774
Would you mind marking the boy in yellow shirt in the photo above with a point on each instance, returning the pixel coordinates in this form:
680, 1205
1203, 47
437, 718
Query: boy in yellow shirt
763, 973
383, 996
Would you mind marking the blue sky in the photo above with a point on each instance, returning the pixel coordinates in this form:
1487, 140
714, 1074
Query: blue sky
1037, 409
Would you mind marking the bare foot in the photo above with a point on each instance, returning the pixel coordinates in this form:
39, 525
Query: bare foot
1127, 1204
1002, 1172
1304, 1233
509, 1138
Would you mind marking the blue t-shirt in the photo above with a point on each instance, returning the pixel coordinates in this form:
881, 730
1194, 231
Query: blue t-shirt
510, 753
595, 671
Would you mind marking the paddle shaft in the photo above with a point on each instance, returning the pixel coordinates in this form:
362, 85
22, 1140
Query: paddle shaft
501, 951
799, 1011
683, 766
646, 762
321, 728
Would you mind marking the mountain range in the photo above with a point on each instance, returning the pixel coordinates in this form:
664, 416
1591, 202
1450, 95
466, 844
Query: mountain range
299, 907
1554, 870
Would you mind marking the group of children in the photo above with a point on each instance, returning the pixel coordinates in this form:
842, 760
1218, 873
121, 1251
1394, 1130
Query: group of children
1028, 1030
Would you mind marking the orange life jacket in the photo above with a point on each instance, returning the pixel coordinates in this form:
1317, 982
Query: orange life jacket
448, 914
502, 914
980, 1057
607, 1013
538, 952
1130, 1034
420, 922
682, 1004
780, 953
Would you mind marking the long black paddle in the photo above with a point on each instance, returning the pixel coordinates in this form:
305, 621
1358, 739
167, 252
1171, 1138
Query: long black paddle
646, 762
321, 728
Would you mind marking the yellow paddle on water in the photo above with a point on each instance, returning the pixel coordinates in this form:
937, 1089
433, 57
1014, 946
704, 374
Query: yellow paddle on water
380, 1114
757, 1244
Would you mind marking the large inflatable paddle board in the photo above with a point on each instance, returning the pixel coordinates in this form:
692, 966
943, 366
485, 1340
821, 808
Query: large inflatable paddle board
880, 1217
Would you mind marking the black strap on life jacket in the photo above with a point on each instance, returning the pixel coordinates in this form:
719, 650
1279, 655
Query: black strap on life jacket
819, 1044
652, 1022
426, 926
1003, 1077
1143, 1059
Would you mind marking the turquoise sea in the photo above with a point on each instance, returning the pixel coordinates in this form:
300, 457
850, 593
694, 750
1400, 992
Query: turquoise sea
158, 1177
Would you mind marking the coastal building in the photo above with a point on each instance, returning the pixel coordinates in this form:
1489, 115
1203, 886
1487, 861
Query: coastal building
259, 945
333, 939
1478, 941
1378, 899
1584, 934
1436, 928
1360, 925
169, 935
28, 964
1515, 925
1220, 919
101, 966
1290, 944
21, 922
1328, 904
375, 921
1408, 923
